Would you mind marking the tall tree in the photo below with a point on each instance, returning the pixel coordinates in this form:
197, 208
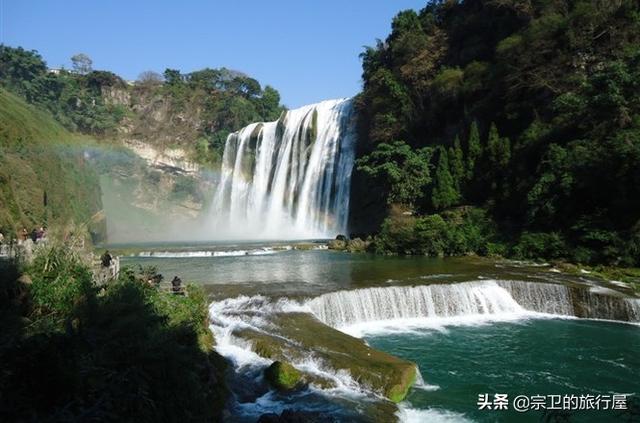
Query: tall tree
499, 148
456, 163
474, 150
81, 63
444, 193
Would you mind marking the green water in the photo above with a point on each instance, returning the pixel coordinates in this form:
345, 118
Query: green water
549, 356
304, 273
541, 356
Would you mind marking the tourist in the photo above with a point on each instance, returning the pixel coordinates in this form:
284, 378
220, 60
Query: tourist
40, 233
106, 259
34, 235
176, 285
24, 234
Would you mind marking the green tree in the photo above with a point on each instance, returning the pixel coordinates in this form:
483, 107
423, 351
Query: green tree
499, 148
172, 76
456, 163
81, 63
474, 150
269, 106
444, 193
401, 171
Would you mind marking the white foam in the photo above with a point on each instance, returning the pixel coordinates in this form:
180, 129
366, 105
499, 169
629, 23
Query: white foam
206, 253
240, 312
362, 306
421, 326
407, 414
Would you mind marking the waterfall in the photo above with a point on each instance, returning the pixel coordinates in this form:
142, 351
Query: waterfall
364, 305
541, 297
288, 179
344, 308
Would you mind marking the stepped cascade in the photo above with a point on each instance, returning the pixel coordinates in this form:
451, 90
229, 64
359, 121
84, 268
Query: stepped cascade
491, 298
288, 179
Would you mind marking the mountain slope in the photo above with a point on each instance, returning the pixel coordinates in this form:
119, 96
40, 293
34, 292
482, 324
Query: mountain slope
43, 176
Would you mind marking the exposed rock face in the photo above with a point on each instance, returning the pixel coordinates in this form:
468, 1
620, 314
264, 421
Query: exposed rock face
174, 160
115, 96
151, 193
337, 244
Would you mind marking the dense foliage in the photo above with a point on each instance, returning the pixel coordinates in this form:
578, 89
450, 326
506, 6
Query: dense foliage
129, 352
528, 109
226, 101
73, 98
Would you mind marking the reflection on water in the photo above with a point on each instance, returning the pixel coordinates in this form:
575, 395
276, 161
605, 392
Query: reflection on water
298, 273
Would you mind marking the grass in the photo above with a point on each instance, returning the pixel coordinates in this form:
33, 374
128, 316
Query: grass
44, 178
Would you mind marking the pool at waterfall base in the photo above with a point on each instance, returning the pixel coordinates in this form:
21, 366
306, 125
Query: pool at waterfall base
524, 357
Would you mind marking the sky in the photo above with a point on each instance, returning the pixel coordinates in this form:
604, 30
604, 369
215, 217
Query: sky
308, 50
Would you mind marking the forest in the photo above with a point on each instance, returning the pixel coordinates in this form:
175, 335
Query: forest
507, 127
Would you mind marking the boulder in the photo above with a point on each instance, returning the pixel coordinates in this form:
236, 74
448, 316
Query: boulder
282, 376
337, 244
300, 336
357, 245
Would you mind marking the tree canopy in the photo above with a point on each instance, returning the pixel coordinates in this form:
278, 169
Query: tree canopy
541, 100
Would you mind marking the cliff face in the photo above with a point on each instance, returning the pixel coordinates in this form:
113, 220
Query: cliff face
152, 194
155, 118
154, 185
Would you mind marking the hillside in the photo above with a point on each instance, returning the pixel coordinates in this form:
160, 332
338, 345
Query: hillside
508, 127
194, 111
43, 176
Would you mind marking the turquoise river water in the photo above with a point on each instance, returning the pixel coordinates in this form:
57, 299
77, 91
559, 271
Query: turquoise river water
461, 358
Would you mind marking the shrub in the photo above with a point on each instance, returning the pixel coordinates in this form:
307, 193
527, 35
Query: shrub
459, 231
540, 245
132, 353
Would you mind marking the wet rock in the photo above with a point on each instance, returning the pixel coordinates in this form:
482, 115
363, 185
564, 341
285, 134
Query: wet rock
337, 244
300, 336
282, 376
357, 245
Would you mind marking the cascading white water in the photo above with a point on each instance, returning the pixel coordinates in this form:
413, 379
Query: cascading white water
488, 298
342, 308
541, 297
288, 179
634, 308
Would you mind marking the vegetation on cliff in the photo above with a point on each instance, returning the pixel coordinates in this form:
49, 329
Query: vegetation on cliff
529, 110
70, 351
195, 110
44, 178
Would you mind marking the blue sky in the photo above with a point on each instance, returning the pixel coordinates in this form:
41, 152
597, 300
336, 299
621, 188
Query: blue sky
308, 50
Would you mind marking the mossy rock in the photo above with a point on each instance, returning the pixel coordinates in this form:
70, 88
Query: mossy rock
300, 335
357, 245
283, 376
337, 244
